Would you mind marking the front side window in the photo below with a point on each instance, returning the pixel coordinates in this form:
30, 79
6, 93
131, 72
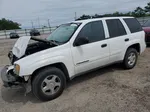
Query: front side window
94, 31
63, 33
133, 25
115, 28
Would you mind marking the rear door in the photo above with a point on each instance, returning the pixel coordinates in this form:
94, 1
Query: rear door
136, 35
117, 39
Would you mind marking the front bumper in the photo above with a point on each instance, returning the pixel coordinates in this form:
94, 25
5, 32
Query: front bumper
9, 78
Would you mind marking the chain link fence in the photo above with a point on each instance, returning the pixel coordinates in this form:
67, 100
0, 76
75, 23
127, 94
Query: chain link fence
142, 20
4, 34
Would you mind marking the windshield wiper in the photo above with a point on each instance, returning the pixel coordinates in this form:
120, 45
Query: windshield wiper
54, 42
45, 41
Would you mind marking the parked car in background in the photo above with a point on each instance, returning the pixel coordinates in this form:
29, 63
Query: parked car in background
13, 35
146, 28
34, 32
72, 49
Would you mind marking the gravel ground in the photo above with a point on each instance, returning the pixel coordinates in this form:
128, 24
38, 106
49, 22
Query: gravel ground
111, 89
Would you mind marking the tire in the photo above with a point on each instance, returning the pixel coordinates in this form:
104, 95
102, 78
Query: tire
13, 37
133, 53
44, 80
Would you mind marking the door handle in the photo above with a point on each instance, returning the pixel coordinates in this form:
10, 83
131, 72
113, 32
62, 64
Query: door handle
104, 45
126, 40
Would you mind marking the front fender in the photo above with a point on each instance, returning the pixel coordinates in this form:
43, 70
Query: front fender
29, 69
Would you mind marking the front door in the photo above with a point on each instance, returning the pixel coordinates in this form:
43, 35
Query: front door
93, 54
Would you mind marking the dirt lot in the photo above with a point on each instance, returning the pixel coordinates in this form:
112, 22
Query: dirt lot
111, 89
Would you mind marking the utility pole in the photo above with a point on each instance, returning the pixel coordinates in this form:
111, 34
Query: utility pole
75, 17
49, 25
39, 22
32, 23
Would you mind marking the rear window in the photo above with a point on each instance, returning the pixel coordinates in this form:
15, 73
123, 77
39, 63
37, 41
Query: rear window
115, 28
133, 25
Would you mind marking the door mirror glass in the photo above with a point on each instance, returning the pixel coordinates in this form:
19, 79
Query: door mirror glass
81, 41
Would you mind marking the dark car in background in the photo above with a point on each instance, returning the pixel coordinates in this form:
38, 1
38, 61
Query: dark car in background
146, 28
13, 35
34, 32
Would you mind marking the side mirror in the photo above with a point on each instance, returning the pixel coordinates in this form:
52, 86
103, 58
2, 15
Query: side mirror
81, 41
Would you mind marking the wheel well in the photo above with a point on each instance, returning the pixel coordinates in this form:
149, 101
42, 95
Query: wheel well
60, 66
135, 46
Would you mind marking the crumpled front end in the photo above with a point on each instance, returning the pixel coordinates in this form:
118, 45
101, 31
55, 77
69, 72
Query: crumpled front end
9, 78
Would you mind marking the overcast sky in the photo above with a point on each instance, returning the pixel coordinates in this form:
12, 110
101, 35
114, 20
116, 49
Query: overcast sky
61, 11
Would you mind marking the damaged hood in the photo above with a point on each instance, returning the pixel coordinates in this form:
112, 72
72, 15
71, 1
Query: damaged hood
21, 46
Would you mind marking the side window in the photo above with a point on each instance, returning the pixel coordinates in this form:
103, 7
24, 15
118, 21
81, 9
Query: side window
94, 31
115, 28
133, 25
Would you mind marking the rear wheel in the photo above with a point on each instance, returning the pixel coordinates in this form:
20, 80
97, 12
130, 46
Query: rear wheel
130, 59
48, 84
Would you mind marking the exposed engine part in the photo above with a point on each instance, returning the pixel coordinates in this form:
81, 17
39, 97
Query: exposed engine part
36, 46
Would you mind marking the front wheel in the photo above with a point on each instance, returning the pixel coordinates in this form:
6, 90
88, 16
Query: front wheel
130, 59
48, 84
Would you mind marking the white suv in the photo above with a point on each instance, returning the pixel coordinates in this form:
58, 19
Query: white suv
45, 65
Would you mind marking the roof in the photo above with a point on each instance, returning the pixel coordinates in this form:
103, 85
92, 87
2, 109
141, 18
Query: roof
96, 19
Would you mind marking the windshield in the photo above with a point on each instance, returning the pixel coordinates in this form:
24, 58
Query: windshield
147, 24
63, 33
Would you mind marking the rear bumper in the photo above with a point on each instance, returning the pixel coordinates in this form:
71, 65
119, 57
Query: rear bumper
9, 78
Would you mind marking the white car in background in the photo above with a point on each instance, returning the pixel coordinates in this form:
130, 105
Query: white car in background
44, 66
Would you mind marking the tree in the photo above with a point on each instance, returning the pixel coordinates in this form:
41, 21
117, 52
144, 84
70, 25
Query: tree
128, 13
8, 24
116, 13
84, 17
139, 12
147, 8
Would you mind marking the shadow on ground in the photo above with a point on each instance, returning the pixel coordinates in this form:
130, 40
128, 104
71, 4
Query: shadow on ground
95, 73
18, 95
